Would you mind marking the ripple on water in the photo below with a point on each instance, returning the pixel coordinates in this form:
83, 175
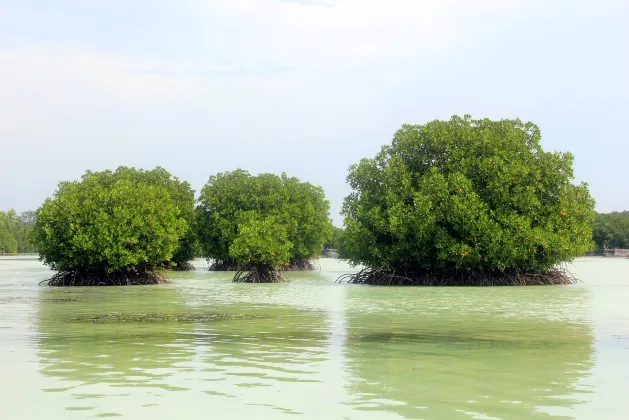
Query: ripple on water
313, 348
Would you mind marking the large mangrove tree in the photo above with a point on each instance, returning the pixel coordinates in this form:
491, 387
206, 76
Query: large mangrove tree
261, 225
110, 228
466, 202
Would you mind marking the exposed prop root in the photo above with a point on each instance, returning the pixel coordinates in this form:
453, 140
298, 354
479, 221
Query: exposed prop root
224, 265
423, 277
301, 265
78, 278
259, 274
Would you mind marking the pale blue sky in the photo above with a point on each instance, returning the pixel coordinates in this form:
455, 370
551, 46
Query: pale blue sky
305, 87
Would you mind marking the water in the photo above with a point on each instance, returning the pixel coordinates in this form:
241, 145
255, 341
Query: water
206, 348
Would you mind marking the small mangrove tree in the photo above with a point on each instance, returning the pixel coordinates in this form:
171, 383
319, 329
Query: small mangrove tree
109, 228
466, 202
262, 224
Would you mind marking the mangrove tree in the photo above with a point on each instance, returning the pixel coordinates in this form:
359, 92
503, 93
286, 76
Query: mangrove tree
466, 202
239, 213
109, 228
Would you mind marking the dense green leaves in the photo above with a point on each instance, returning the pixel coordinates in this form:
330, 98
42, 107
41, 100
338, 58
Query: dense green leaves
237, 210
611, 230
260, 241
109, 223
180, 192
467, 194
336, 239
15, 232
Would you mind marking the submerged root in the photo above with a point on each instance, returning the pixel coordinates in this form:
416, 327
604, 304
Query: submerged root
424, 277
224, 265
77, 278
300, 265
259, 274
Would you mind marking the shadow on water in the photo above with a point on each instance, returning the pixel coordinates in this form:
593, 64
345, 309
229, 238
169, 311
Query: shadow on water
512, 353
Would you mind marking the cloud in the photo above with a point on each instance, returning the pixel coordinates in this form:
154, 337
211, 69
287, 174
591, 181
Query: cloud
213, 72
349, 34
42, 83
313, 3
295, 85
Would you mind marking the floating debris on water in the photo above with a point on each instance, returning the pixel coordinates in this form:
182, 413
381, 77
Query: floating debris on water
60, 300
158, 317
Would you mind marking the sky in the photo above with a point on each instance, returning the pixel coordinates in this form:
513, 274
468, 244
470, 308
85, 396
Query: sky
305, 87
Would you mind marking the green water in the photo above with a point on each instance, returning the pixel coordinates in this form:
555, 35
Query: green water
206, 348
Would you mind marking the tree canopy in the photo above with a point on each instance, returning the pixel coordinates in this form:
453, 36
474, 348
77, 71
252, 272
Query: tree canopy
14, 232
181, 194
109, 228
238, 213
466, 201
611, 230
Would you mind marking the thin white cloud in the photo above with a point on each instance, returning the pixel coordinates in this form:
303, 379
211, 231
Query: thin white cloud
271, 38
288, 85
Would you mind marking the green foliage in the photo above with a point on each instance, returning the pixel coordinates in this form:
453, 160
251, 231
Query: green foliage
109, 223
467, 195
261, 241
180, 192
233, 201
15, 232
305, 213
335, 240
611, 230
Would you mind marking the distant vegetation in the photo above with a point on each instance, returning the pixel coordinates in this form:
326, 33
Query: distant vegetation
14, 232
337, 241
261, 225
466, 202
111, 228
611, 230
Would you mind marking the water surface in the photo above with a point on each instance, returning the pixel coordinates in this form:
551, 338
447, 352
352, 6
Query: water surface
203, 347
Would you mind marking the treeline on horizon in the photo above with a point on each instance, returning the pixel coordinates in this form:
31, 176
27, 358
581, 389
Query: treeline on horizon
15, 232
611, 230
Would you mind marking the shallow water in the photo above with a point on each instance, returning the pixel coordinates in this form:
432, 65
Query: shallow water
203, 347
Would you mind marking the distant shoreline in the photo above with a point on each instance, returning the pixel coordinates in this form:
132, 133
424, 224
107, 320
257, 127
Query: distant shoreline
610, 252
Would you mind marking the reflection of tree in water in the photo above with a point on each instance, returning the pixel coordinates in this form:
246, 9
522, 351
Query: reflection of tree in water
116, 336
155, 338
271, 361
466, 353
275, 360
283, 344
